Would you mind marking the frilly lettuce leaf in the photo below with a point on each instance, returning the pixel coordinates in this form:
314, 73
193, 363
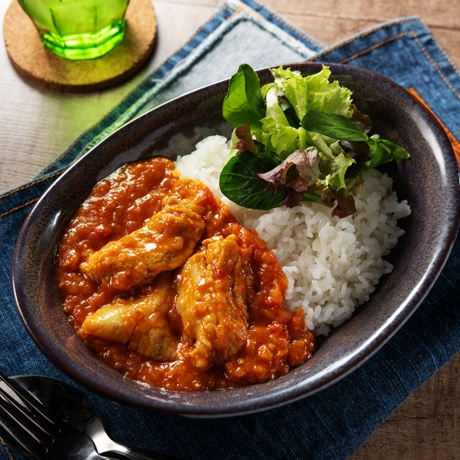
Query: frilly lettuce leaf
279, 139
313, 92
294, 86
327, 96
277, 134
333, 170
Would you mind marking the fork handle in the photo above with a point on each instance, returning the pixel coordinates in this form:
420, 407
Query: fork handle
122, 452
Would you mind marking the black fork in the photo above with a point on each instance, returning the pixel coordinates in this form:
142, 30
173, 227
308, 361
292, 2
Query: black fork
26, 427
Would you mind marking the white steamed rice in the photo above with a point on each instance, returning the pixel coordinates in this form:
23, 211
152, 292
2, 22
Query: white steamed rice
332, 264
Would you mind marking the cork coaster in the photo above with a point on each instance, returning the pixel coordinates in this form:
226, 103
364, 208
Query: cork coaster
35, 61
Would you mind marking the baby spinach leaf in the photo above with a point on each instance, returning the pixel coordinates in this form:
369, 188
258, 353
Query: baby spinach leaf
239, 181
383, 151
244, 103
332, 125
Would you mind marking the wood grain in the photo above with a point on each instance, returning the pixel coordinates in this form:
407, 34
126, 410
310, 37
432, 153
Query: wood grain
425, 426
330, 21
36, 126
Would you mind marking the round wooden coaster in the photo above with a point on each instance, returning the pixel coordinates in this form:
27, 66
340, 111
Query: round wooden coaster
36, 62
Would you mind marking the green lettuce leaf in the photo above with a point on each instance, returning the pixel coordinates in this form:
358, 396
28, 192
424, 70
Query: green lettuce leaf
333, 171
277, 133
327, 96
294, 86
282, 140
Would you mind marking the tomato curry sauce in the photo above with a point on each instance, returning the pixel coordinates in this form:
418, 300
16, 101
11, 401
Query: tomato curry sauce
162, 283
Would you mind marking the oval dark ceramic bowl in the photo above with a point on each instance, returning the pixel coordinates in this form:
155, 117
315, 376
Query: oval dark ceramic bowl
428, 181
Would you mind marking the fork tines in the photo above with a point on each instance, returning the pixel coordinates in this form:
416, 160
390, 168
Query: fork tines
22, 419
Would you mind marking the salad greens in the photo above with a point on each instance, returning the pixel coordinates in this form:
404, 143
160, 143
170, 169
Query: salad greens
298, 139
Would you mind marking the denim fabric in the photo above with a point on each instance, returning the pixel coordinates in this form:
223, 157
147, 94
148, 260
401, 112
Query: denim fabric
335, 422
406, 52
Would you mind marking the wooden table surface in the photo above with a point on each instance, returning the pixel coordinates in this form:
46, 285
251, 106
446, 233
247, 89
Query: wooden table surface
36, 125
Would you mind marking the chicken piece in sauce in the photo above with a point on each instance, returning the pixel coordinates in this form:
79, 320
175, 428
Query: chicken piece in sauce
141, 324
212, 301
164, 243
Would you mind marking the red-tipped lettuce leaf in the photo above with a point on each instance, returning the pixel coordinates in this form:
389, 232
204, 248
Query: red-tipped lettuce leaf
293, 176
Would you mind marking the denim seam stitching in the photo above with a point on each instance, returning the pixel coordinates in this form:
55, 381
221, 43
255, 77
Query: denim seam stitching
17, 208
254, 16
363, 35
282, 21
7, 450
435, 65
375, 46
26, 186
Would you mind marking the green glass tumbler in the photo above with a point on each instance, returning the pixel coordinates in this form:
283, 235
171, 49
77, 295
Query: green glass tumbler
78, 29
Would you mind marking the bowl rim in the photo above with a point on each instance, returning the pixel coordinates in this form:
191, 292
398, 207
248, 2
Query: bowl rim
285, 395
